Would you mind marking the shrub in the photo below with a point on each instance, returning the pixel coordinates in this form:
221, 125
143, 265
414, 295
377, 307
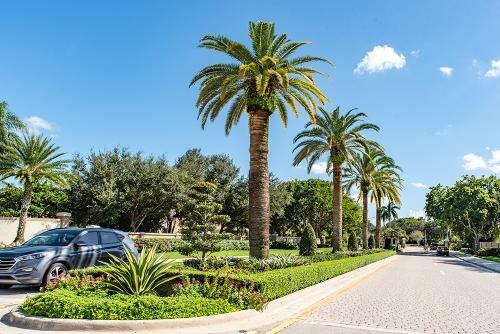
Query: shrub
455, 243
252, 265
138, 276
283, 245
489, 252
307, 245
63, 303
352, 243
277, 262
321, 257
242, 296
371, 242
278, 283
161, 245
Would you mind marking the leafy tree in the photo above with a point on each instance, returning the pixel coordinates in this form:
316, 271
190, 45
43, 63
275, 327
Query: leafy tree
260, 81
408, 224
46, 201
203, 218
124, 190
340, 138
307, 244
9, 124
417, 236
31, 160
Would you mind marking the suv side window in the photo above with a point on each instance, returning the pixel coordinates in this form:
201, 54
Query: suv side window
109, 238
90, 238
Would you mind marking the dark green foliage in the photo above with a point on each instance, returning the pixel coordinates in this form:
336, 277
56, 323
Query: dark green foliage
202, 218
177, 245
352, 243
371, 242
387, 243
307, 245
46, 201
63, 303
283, 245
252, 264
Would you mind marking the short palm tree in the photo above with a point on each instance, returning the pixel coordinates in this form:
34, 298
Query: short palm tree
389, 212
9, 124
261, 80
386, 185
30, 160
360, 174
340, 138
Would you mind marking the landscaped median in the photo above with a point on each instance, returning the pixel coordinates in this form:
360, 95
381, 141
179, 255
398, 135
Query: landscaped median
87, 294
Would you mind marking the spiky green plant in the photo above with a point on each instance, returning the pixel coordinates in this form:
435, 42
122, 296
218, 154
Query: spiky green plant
263, 79
139, 275
340, 138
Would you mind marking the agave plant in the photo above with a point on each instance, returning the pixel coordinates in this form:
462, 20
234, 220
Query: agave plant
139, 275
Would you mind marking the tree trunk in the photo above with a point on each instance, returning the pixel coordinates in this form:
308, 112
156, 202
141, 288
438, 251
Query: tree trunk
378, 228
337, 207
364, 232
23, 214
259, 184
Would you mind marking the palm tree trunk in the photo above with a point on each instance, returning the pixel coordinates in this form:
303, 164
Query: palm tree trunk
259, 184
337, 207
364, 232
23, 214
378, 219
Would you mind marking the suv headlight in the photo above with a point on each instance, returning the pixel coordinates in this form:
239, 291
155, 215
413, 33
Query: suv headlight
33, 256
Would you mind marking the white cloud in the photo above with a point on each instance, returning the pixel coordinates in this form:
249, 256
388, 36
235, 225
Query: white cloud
494, 71
447, 71
379, 59
417, 213
37, 124
472, 161
418, 185
319, 168
415, 53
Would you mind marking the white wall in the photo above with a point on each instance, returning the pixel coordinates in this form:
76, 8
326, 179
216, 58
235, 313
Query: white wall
8, 227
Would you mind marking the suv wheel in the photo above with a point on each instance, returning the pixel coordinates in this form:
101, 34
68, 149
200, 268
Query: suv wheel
55, 271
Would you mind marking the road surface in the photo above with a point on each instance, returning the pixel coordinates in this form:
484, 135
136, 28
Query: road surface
416, 293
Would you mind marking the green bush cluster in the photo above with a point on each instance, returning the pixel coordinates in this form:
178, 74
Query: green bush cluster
321, 257
278, 283
283, 245
352, 243
67, 304
254, 265
307, 245
455, 243
179, 245
371, 242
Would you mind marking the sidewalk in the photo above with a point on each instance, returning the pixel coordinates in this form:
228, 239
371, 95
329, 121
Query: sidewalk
490, 265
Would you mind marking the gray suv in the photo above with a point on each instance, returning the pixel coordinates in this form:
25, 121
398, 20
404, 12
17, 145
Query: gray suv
50, 254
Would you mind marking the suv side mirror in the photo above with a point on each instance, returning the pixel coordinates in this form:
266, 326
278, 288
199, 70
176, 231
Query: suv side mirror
80, 244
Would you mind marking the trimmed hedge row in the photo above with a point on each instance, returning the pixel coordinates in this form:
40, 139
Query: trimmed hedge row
63, 303
177, 245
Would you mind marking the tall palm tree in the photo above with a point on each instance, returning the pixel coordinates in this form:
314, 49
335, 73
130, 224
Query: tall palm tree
360, 174
30, 160
9, 124
260, 80
386, 184
340, 138
389, 212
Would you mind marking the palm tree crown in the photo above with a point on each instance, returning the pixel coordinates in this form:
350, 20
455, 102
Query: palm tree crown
340, 138
389, 211
9, 123
264, 77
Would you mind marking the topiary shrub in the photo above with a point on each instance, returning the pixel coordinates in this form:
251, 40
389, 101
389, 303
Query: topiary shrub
307, 245
283, 245
352, 244
371, 242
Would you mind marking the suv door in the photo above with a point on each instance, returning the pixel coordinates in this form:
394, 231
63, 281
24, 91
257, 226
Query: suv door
86, 249
111, 244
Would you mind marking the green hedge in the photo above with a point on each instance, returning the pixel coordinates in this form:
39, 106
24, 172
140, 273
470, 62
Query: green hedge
177, 245
280, 282
63, 303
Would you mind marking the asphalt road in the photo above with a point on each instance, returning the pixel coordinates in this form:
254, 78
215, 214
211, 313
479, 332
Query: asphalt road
416, 293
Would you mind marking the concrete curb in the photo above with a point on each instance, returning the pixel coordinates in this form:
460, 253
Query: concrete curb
276, 311
467, 258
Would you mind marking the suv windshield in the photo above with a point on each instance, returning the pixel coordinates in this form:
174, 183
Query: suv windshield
53, 238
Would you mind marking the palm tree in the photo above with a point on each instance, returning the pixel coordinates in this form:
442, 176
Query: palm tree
9, 123
340, 138
30, 160
389, 212
360, 174
387, 184
261, 80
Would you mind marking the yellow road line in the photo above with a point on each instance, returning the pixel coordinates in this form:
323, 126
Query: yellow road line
323, 302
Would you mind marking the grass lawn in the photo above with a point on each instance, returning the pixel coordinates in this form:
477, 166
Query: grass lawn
492, 258
177, 255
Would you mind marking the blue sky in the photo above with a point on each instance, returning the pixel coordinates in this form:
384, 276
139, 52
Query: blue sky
97, 74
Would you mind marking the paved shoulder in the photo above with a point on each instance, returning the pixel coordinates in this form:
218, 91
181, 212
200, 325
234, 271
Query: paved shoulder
416, 293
